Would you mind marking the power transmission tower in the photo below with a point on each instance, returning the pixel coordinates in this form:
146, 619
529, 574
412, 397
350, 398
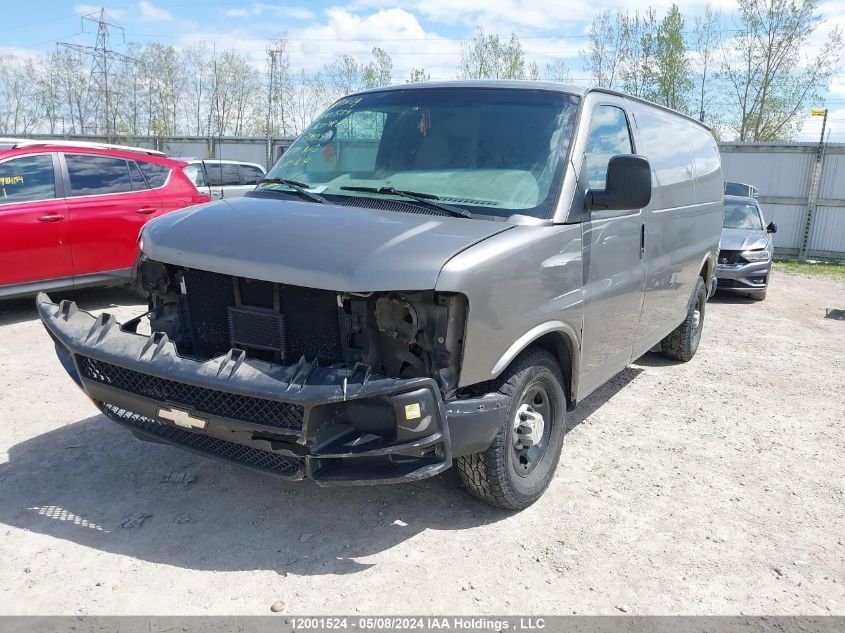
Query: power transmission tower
101, 79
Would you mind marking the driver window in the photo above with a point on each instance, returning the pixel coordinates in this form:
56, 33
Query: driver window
609, 136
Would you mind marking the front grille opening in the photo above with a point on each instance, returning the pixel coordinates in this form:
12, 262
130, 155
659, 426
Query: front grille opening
199, 399
273, 322
729, 257
284, 465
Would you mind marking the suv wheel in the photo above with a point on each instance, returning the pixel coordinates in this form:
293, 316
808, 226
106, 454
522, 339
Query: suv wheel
520, 463
682, 343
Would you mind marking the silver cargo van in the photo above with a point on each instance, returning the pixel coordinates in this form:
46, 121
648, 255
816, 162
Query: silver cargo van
432, 274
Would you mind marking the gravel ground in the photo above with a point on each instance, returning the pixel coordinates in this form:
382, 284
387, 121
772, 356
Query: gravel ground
714, 487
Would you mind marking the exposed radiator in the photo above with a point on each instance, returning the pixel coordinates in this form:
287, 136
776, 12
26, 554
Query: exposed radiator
274, 322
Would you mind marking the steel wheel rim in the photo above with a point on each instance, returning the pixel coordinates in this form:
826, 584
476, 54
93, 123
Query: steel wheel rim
697, 318
535, 401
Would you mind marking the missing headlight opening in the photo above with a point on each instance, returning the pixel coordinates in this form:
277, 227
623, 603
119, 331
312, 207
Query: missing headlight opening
396, 334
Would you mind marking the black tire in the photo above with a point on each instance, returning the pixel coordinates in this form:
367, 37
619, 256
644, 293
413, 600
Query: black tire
757, 296
503, 476
682, 343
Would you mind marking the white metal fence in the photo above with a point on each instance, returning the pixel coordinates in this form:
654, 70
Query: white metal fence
784, 174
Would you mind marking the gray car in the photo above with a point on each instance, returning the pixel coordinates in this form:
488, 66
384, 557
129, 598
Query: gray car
746, 248
432, 275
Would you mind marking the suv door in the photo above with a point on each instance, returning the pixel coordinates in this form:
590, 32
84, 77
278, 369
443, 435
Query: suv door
614, 267
34, 227
109, 201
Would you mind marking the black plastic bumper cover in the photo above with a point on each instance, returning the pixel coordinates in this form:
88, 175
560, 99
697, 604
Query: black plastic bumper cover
333, 425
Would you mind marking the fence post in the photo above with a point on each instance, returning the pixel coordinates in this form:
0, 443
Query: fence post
813, 196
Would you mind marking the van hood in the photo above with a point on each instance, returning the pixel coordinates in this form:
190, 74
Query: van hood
743, 239
314, 245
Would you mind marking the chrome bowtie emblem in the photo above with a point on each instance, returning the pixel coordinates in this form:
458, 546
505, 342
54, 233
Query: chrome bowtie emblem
182, 418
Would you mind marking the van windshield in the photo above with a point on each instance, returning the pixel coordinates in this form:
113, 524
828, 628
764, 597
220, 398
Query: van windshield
741, 215
490, 151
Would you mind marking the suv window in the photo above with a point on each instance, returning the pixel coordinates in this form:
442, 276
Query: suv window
138, 180
609, 136
27, 178
250, 174
96, 175
222, 174
156, 174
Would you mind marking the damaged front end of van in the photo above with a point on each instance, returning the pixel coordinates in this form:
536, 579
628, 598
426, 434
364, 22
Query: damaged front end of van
351, 385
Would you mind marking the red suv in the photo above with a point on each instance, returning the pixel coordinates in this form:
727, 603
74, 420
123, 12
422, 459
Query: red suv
70, 212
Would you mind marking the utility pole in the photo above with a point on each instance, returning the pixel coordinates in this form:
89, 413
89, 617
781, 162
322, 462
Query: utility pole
814, 190
102, 57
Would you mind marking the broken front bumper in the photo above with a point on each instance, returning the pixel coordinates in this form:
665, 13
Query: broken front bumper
333, 425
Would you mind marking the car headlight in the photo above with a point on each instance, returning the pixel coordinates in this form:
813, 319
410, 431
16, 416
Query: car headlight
761, 255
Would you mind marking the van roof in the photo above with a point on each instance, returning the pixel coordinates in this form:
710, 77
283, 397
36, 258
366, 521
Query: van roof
521, 84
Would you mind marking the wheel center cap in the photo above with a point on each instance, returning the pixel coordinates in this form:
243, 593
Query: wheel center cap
528, 427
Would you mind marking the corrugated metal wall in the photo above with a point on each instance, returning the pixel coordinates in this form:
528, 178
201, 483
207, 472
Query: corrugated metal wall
782, 174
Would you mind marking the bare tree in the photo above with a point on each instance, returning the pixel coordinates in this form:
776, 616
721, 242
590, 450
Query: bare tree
608, 48
771, 78
280, 84
639, 42
379, 71
196, 65
342, 76
672, 73
558, 71
417, 75
489, 57
309, 97
48, 92
707, 37
19, 112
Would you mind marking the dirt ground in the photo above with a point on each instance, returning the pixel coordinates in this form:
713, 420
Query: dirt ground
714, 487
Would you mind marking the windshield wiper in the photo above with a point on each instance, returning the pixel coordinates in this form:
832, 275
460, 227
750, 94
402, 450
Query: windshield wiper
298, 187
426, 198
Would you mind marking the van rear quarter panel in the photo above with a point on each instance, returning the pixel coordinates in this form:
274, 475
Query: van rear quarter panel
683, 219
517, 283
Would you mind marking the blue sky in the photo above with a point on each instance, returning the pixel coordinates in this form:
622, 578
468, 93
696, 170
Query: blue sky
423, 34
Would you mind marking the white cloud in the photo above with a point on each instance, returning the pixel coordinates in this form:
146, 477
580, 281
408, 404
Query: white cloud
87, 9
395, 30
504, 16
258, 8
153, 13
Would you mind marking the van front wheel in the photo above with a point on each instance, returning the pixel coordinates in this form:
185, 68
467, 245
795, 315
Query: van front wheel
682, 343
520, 463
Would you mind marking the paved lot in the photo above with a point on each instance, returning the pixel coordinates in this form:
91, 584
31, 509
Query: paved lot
712, 487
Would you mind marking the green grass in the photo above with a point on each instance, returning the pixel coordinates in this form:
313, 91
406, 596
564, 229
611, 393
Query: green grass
793, 267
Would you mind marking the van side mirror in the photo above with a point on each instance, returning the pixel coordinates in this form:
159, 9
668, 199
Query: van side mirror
627, 186
772, 228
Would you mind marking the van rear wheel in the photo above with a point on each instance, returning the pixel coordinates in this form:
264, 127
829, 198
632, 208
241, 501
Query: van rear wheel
519, 465
682, 343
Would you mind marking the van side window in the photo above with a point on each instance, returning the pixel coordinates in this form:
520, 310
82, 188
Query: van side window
608, 137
